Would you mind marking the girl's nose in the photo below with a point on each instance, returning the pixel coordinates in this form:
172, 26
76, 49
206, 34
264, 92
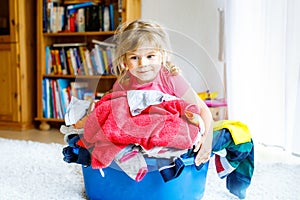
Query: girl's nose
143, 61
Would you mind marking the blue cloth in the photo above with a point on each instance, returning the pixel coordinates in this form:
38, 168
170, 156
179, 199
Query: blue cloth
169, 170
172, 170
74, 153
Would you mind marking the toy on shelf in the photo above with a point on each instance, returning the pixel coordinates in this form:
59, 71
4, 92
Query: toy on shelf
217, 106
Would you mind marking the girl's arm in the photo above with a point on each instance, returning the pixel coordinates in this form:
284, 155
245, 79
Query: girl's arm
204, 146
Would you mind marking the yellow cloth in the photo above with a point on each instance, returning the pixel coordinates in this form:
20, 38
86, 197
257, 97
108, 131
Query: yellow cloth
239, 131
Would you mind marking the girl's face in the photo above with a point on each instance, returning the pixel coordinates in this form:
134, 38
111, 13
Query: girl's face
144, 63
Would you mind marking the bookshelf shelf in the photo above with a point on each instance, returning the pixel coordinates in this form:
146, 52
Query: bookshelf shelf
79, 1
80, 76
67, 34
42, 119
50, 37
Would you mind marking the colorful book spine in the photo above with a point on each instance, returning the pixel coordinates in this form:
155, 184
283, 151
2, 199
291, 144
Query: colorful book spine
45, 107
63, 61
64, 89
73, 61
70, 65
89, 62
53, 66
80, 70
111, 17
58, 62
48, 60
79, 5
99, 60
106, 19
82, 50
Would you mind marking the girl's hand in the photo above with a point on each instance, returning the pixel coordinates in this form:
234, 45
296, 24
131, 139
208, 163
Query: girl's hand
204, 149
203, 155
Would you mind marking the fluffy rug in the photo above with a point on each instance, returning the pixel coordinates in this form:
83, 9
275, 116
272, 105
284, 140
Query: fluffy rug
32, 170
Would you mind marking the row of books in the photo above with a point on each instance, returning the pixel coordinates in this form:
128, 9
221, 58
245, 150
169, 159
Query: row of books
57, 95
87, 16
77, 59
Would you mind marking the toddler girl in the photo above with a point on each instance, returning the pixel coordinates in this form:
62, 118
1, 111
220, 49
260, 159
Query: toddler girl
142, 62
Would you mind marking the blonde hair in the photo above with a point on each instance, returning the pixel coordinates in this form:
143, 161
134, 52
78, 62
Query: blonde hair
129, 37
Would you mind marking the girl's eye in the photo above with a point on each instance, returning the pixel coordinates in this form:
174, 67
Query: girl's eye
133, 58
150, 56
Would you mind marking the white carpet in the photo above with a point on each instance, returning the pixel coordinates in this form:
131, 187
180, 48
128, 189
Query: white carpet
31, 170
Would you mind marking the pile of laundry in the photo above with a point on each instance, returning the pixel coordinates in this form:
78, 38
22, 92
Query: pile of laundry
127, 127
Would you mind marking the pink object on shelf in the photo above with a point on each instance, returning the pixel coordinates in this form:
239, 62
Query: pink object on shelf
216, 102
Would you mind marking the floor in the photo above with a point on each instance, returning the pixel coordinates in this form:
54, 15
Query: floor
51, 136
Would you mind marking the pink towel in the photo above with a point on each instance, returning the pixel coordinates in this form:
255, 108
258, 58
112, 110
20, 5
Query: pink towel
110, 127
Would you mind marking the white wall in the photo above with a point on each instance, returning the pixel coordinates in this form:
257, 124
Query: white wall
193, 26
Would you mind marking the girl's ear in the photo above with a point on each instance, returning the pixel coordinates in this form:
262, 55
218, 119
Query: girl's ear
123, 65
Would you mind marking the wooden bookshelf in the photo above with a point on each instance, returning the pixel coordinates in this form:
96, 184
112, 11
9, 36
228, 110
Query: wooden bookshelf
130, 10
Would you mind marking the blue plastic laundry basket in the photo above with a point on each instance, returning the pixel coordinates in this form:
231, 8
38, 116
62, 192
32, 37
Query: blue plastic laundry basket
116, 185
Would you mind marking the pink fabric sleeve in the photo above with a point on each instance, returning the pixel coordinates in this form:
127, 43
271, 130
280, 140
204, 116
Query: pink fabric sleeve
179, 85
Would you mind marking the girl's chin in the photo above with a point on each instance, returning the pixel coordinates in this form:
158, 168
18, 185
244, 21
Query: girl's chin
145, 79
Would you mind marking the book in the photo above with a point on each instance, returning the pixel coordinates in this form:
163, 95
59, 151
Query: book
78, 61
92, 18
53, 66
111, 17
106, 19
73, 61
45, 20
54, 99
98, 56
45, 98
93, 61
80, 5
82, 50
58, 101
70, 65
61, 18
89, 62
63, 61
57, 61
48, 60
100, 16
54, 19
105, 61
64, 90
71, 21
50, 99
50, 6
80, 20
